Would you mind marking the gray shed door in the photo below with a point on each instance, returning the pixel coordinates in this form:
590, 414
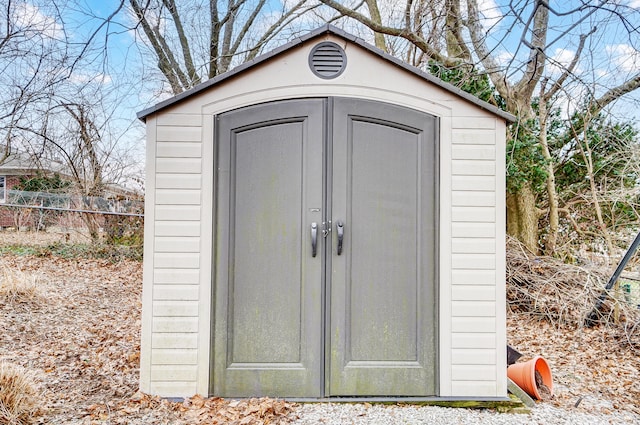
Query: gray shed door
354, 313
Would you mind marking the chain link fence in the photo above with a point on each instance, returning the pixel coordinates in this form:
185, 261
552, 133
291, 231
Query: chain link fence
113, 218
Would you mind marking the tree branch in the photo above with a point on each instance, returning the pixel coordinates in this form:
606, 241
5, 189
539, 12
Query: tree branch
194, 78
476, 34
410, 36
537, 55
164, 63
557, 85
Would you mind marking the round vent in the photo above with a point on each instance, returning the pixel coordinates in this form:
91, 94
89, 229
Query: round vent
327, 60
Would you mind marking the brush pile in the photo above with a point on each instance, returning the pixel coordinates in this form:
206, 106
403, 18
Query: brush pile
563, 294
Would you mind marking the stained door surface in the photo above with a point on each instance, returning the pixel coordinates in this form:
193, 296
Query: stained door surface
352, 314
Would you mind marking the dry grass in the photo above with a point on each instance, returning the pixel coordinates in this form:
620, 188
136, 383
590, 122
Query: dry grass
17, 286
19, 397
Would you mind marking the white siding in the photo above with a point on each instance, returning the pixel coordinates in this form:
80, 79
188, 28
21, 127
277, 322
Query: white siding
170, 341
169, 276
177, 244
167, 356
171, 388
179, 150
178, 165
480, 356
476, 365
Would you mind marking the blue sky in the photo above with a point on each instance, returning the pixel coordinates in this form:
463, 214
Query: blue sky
128, 73
610, 56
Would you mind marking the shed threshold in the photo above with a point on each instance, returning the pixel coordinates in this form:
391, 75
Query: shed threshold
409, 400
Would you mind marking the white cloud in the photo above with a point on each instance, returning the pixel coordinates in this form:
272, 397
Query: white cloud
503, 58
560, 61
634, 3
491, 12
83, 78
30, 18
624, 57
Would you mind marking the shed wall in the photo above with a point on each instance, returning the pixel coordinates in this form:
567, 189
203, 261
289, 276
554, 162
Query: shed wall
180, 185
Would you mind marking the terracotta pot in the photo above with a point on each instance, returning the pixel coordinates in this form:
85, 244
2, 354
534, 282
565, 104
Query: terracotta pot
524, 375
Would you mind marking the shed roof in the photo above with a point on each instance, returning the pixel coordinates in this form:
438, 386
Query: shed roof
326, 29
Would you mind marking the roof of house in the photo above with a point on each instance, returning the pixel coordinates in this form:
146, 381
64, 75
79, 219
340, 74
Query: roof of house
326, 29
22, 163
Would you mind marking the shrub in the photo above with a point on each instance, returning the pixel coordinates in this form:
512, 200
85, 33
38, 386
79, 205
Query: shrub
18, 395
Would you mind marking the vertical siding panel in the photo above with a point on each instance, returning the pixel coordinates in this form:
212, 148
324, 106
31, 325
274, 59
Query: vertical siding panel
474, 372
444, 322
473, 168
173, 372
474, 245
501, 262
207, 236
474, 292
146, 334
473, 230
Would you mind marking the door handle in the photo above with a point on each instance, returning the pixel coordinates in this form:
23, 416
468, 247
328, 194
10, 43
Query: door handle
340, 227
314, 239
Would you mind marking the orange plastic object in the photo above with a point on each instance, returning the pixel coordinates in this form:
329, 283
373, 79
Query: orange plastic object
524, 375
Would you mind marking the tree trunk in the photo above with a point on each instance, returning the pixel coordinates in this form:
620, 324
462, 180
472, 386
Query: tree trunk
552, 195
587, 156
374, 12
522, 217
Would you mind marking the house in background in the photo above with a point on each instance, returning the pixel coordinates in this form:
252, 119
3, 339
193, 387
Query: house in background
19, 166
16, 166
325, 221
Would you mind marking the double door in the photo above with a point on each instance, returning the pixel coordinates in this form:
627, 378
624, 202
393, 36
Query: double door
325, 250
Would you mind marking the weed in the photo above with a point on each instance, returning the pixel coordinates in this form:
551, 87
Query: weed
18, 395
18, 286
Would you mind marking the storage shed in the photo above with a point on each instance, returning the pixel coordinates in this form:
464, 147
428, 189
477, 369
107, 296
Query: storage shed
325, 221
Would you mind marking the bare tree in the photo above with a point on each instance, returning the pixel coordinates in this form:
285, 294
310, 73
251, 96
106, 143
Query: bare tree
195, 41
34, 60
444, 32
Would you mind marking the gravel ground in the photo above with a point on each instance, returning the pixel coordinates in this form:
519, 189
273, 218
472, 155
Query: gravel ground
361, 414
